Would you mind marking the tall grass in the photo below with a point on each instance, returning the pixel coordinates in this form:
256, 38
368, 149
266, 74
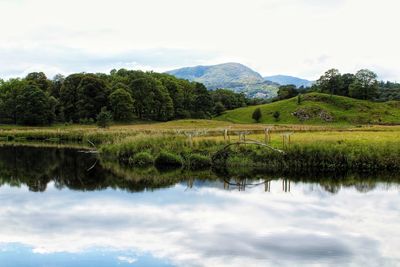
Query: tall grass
319, 157
360, 149
154, 144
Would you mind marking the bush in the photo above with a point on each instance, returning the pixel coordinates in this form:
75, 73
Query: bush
257, 115
166, 159
197, 161
104, 118
86, 121
142, 159
276, 115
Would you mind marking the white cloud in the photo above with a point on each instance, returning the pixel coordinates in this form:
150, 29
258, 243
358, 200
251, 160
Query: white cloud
285, 36
127, 259
210, 226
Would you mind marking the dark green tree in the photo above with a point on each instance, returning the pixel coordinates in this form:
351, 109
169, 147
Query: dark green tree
175, 91
203, 103
257, 115
104, 118
228, 98
219, 108
365, 85
34, 107
287, 91
330, 82
9, 92
299, 99
152, 100
92, 95
69, 96
39, 79
276, 115
121, 105
56, 85
347, 79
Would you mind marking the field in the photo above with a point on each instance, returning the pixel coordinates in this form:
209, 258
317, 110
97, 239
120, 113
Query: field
199, 129
197, 144
320, 109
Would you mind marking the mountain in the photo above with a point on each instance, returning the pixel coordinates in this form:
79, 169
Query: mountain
234, 76
316, 108
285, 80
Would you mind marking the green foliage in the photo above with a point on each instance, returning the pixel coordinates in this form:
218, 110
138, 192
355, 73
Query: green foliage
86, 121
362, 85
162, 97
128, 94
326, 109
39, 79
152, 100
203, 103
276, 115
198, 161
92, 94
299, 99
229, 99
365, 85
9, 92
121, 105
34, 107
219, 108
388, 91
69, 96
319, 157
257, 115
287, 91
166, 159
330, 82
104, 118
142, 159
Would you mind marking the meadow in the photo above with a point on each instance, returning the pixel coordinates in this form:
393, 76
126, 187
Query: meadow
320, 109
196, 144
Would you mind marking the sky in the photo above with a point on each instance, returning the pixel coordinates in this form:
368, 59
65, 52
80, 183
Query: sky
302, 38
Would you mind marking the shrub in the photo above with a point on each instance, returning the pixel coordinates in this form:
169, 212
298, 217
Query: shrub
166, 159
276, 115
197, 161
104, 118
86, 121
142, 159
257, 115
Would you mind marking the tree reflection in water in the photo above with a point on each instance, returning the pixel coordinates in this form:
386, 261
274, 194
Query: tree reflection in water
73, 169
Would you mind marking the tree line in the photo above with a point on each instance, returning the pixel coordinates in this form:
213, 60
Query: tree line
125, 94
361, 85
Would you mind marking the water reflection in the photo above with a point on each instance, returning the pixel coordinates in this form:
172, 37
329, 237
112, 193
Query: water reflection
78, 170
187, 222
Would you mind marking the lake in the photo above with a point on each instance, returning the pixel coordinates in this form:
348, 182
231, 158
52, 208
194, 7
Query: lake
65, 207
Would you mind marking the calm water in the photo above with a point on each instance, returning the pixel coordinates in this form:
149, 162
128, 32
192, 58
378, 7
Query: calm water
62, 207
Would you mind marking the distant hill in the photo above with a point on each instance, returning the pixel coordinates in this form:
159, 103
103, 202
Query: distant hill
318, 108
286, 80
234, 76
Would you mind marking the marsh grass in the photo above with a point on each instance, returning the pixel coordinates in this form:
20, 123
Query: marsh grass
320, 157
155, 144
366, 148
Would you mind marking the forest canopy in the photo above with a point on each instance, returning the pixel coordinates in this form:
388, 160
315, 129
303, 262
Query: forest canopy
361, 85
127, 94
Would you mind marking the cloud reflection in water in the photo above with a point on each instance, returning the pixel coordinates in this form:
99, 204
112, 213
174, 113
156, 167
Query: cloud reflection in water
209, 226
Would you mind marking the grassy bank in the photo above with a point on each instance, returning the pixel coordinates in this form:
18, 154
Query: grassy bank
320, 109
191, 144
335, 151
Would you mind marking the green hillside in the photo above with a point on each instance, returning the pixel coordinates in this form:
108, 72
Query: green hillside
316, 108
